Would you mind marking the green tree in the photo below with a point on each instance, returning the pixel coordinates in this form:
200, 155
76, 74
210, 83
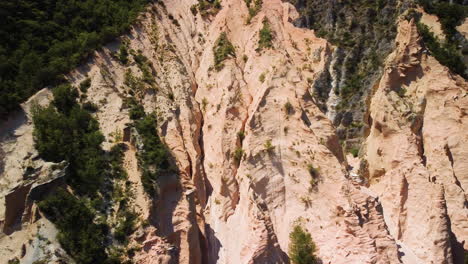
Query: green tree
123, 54
301, 247
222, 49
64, 97
68, 132
445, 53
265, 36
155, 158
42, 40
78, 234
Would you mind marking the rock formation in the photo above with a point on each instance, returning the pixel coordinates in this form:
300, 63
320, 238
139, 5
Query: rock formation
409, 150
257, 154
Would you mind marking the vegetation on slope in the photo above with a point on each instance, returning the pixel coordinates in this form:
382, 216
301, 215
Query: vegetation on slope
450, 15
364, 31
222, 50
154, 158
41, 40
66, 131
254, 7
265, 40
78, 234
206, 8
445, 53
301, 247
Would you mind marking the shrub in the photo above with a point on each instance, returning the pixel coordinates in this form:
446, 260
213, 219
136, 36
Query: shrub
301, 247
306, 201
131, 81
126, 225
115, 160
261, 78
154, 158
83, 239
123, 54
401, 92
254, 7
90, 107
446, 54
412, 14
42, 261
136, 112
85, 84
204, 103
194, 9
170, 95
217, 4
145, 65
265, 36
238, 154
50, 141
68, 132
354, 152
313, 183
139, 58
268, 146
352, 85
208, 8
14, 261
241, 135
312, 171
64, 97
222, 50
288, 108
450, 14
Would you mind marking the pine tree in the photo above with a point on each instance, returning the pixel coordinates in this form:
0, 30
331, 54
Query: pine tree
301, 247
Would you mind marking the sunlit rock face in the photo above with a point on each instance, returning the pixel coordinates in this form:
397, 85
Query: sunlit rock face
256, 151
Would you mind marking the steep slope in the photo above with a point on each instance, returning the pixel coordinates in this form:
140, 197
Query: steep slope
280, 142
415, 151
233, 92
364, 33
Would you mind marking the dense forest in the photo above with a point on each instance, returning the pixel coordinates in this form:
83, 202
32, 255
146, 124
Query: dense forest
44, 39
66, 131
449, 53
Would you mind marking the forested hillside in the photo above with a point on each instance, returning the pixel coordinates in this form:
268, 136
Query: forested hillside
43, 39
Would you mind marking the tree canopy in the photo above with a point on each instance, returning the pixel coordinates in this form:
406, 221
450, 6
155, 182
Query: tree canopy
65, 131
43, 39
301, 247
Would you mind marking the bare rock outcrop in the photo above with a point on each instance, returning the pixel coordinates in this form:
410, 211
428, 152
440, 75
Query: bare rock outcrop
414, 151
249, 95
263, 95
21, 167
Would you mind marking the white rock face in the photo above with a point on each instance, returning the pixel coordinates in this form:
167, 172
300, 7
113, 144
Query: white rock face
414, 151
240, 208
